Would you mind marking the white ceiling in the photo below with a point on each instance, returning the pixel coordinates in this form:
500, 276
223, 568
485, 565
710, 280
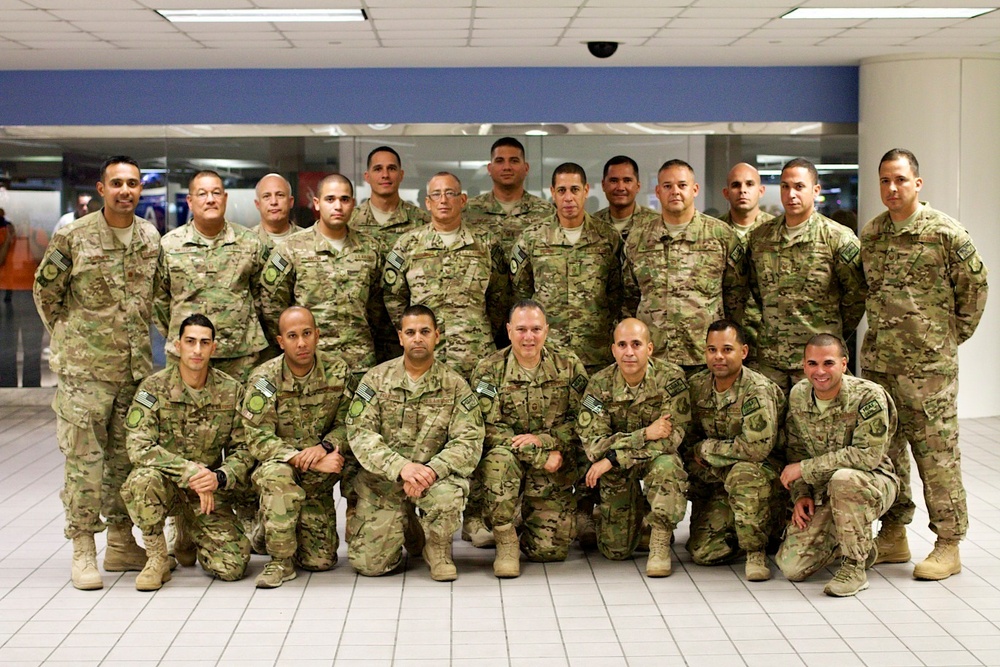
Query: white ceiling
128, 34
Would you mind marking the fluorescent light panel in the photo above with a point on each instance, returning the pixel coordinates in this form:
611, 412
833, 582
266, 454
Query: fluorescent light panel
260, 15
887, 12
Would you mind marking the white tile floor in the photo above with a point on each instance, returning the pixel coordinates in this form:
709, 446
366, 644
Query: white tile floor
586, 611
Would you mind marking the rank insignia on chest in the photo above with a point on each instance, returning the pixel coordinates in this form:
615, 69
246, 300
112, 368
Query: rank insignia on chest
750, 405
145, 399
579, 383
265, 387
484, 388
593, 404
870, 409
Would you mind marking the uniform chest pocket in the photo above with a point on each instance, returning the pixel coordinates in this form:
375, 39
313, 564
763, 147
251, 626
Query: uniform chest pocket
94, 282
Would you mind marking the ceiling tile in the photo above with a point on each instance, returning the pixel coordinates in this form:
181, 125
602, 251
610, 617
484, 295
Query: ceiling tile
611, 24
423, 24
107, 15
397, 13
524, 13
518, 24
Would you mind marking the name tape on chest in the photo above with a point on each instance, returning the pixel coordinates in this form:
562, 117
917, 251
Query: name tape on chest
484, 388
593, 404
870, 409
750, 406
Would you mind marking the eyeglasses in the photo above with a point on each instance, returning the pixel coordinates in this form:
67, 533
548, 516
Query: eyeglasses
438, 195
202, 195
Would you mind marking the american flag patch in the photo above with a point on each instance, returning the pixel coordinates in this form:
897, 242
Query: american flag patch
279, 262
265, 387
145, 399
519, 254
394, 260
486, 389
593, 404
60, 260
365, 393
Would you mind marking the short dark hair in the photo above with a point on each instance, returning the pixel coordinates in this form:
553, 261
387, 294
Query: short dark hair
620, 159
417, 310
825, 340
335, 178
205, 172
196, 320
797, 162
117, 159
676, 162
901, 154
526, 303
509, 142
569, 168
723, 325
384, 149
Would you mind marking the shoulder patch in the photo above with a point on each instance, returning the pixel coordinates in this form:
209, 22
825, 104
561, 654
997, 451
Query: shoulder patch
351, 384
61, 261
593, 404
584, 418
517, 259
394, 260
736, 256
484, 388
145, 399
275, 267
579, 383
964, 252
278, 261
265, 387
365, 393
134, 417
750, 406
677, 386
870, 409
849, 252
469, 402
255, 403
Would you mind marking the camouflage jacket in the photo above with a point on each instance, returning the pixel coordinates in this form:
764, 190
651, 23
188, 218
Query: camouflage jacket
173, 429
927, 291
269, 240
678, 286
95, 297
404, 219
751, 314
219, 278
485, 211
546, 406
743, 424
580, 285
283, 414
341, 289
439, 424
464, 286
853, 432
615, 416
811, 284
640, 216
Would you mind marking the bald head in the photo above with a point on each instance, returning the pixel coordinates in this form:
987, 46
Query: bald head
274, 202
743, 190
295, 316
630, 327
271, 182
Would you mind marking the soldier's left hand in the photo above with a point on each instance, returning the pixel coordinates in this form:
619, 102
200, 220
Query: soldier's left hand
203, 481
207, 501
596, 470
553, 462
792, 472
524, 440
308, 457
332, 463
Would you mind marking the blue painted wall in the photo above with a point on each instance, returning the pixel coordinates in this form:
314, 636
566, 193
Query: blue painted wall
429, 95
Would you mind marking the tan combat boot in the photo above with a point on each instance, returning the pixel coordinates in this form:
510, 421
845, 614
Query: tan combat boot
157, 570
942, 562
437, 555
123, 554
658, 563
275, 573
849, 580
507, 563
184, 550
892, 544
84, 572
756, 567
475, 531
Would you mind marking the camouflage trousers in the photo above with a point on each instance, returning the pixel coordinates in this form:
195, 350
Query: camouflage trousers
841, 524
547, 503
928, 420
375, 535
299, 515
90, 432
223, 549
622, 507
785, 378
730, 510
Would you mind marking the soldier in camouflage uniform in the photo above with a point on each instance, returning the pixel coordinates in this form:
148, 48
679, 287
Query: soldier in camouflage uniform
634, 416
187, 444
335, 272
94, 292
386, 217
838, 430
569, 263
682, 272
213, 266
737, 415
621, 185
805, 271
416, 427
743, 192
927, 293
454, 269
294, 413
529, 394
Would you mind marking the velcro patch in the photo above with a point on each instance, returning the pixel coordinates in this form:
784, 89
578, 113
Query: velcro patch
966, 251
519, 254
365, 393
579, 383
265, 387
486, 389
145, 399
870, 409
394, 260
60, 260
736, 256
469, 402
750, 406
677, 386
849, 252
279, 262
593, 404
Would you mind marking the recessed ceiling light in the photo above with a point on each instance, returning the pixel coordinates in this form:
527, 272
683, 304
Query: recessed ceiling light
260, 15
887, 12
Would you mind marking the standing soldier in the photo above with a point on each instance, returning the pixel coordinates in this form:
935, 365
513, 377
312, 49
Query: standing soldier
187, 444
94, 292
621, 186
294, 413
927, 293
634, 417
737, 421
805, 271
529, 395
683, 271
416, 427
274, 202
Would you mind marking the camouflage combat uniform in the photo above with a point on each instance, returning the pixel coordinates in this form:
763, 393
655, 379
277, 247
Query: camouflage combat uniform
485, 211
845, 470
734, 433
678, 286
640, 216
437, 423
579, 284
342, 289
545, 405
404, 219
614, 418
751, 314
171, 430
927, 293
270, 241
273, 349
283, 415
464, 286
95, 297
810, 284
219, 278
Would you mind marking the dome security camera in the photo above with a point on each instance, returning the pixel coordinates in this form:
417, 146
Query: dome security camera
602, 49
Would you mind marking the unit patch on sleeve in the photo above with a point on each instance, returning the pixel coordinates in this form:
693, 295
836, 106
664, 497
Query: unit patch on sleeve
870, 409
966, 251
849, 252
676, 387
750, 406
469, 402
579, 383
517, 258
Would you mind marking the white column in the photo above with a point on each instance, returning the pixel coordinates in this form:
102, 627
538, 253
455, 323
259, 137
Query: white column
946, 109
